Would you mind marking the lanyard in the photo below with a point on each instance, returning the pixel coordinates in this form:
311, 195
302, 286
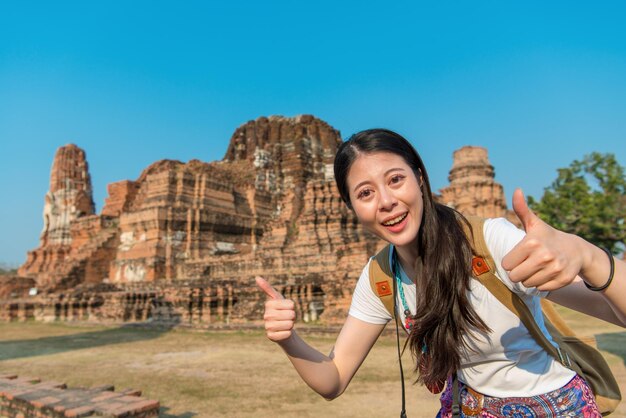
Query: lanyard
408, 321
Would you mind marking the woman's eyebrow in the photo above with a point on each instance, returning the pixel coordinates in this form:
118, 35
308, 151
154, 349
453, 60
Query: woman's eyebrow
394, 169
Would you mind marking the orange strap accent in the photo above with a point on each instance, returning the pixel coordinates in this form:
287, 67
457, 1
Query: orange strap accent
479, 266
383, 288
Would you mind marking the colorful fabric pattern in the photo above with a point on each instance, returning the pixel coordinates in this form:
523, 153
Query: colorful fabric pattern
572, 400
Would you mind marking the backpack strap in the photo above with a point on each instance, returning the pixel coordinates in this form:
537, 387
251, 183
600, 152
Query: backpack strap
553, 317
381, 278
384, 286
482, 262
516, 305
483, 268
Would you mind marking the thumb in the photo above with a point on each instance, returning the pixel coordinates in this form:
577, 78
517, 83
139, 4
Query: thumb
267, 288
523, 212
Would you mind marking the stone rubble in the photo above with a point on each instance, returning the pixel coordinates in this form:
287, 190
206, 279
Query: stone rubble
22, 397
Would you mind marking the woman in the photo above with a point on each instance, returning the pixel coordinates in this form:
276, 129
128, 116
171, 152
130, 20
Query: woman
456, 325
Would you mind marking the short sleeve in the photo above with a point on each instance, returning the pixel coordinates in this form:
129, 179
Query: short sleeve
501, 236
365, 305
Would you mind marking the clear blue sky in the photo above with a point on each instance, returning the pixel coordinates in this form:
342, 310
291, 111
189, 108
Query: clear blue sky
538, 83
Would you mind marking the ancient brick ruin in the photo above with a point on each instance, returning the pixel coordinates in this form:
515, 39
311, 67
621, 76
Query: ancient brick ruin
473, 189
22, 396
184, 241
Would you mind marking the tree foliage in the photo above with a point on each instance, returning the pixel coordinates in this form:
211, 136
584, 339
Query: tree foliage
588, 198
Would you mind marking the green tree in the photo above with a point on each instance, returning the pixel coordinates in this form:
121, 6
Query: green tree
588, 199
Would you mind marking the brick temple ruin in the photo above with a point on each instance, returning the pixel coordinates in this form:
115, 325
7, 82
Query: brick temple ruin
183, 243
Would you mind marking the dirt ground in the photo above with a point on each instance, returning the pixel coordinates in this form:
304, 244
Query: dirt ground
230, 374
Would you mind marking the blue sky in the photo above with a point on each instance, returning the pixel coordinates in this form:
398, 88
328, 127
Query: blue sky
538, 83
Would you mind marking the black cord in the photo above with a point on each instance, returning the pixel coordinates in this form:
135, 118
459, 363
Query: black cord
611, 273
395, 310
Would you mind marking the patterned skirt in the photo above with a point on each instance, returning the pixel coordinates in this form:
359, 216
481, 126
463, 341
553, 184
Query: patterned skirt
572, 400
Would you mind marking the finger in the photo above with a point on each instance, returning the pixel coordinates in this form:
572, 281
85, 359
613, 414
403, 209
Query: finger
540, 278
277, 326
553, 276
280, 304
537, 259
523, 212
278, 336
267, 288
519, 253
554, 284
278, 314
527, 270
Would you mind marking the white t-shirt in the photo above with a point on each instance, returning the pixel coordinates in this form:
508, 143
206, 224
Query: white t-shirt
507, 361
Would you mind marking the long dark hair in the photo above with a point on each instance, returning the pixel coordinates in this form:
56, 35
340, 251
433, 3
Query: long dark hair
444, 315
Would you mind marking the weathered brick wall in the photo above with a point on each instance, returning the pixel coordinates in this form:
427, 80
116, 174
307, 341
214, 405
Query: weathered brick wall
24, 397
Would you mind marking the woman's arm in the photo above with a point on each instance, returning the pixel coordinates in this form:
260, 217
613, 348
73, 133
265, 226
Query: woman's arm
327, 375
608, 304
552, 260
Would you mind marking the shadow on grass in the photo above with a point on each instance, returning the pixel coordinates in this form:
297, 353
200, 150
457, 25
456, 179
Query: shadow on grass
614, 343
127, 333
164, 414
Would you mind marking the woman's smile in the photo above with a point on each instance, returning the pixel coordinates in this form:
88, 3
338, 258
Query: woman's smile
397, 223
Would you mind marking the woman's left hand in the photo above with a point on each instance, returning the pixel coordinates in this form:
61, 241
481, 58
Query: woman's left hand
545, 258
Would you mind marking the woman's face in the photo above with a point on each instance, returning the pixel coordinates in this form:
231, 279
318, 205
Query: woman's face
386, 197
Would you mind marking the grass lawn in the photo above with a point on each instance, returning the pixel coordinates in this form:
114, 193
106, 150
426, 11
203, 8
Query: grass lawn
229, 374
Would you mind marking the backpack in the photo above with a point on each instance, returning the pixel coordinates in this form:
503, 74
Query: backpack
576, 353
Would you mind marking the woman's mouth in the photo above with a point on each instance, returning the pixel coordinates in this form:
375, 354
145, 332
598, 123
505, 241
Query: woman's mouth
396, 222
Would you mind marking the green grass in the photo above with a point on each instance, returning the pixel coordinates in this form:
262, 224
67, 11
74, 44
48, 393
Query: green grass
226, 374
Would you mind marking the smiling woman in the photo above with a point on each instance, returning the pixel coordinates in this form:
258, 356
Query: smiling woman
387, 201
459, 333
385, 167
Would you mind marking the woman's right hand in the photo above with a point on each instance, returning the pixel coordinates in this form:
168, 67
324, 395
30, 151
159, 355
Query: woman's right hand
327, 375
280, 313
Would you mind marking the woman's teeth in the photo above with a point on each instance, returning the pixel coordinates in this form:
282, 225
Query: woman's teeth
395, 220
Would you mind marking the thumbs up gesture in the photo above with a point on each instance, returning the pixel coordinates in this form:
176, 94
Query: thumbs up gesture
545, 258
280, 313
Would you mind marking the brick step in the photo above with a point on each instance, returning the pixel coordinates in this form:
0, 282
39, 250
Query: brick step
29, 396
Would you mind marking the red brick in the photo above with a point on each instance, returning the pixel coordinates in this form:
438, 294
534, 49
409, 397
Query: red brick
106, 395
47, 401
13, 393
130, 392
33, 394
108, 406
135, 408
128, 399
83, 411
73, 396
59, 408
144, 405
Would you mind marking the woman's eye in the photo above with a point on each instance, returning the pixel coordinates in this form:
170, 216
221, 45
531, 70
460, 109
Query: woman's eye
364, 193
396, 179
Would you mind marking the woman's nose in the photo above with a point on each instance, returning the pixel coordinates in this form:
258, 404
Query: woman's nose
387, 200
